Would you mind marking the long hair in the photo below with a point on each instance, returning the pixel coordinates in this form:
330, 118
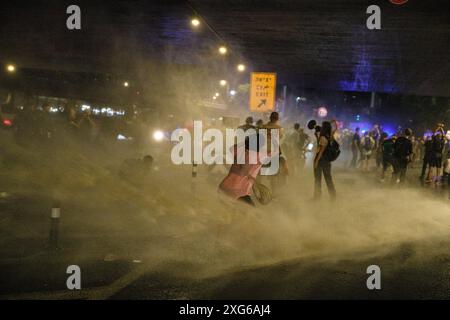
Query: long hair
325, 131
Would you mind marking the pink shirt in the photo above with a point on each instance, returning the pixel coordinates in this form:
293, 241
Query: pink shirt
241, 178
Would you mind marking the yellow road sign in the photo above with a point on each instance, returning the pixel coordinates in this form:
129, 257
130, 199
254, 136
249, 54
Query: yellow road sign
262, 93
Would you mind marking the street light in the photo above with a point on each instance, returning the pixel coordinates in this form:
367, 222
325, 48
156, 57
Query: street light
195, 22
233, 92
126, 84
223, 50
241, 68
11, 68
223, 83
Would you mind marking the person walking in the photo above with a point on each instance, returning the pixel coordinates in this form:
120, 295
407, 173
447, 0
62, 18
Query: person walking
427, 156
355, 147
387, 146
438, 143
367, 148
402, 156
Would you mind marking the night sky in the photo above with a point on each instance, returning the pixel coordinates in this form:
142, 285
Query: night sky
316, 44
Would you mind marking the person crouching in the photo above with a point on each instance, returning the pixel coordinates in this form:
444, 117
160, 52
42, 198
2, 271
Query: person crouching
239, 182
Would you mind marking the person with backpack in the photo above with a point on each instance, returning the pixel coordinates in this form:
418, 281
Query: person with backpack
367, 147
403, 150
387, 147
438, 143
327, 151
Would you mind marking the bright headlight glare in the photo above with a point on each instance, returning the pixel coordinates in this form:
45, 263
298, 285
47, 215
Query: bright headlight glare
158, 135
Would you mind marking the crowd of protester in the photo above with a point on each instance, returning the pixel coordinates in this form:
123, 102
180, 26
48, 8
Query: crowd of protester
399, 152
41, 125
48, 132
390, 157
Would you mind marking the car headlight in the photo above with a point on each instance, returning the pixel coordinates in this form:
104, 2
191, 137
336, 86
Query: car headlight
158, 135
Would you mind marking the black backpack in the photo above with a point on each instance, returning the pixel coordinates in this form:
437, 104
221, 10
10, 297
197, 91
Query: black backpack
401, 148
388, 147
438, 144
332, 151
